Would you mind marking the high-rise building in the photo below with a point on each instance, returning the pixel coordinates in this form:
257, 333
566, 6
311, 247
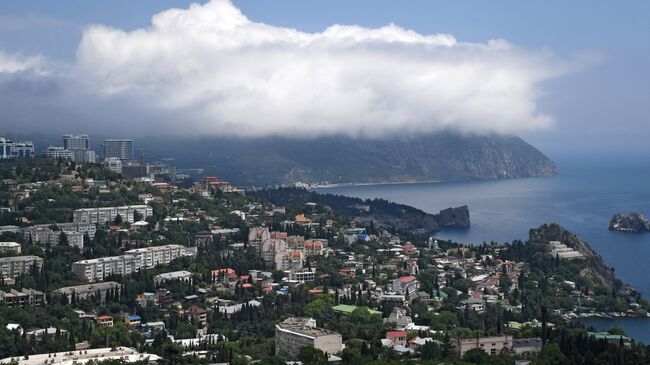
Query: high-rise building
76, 142
11, 149
119, 148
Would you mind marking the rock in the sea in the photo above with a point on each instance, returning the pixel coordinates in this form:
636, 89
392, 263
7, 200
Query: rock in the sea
634, 222
452, 218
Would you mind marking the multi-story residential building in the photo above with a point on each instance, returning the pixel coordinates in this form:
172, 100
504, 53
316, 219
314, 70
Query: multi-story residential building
12, 267
87, 291
11, 149
289, 260
271, 248
43, 234
10, 247
157, 255
314, 247
302, 276
295, 333
257, 235
119, 148
132, 261
98, 269
405, 285
491, 345
184, 276
58, 152
108, 214
113, 164
22, 298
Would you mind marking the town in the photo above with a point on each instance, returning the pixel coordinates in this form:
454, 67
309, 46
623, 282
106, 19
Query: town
115, 259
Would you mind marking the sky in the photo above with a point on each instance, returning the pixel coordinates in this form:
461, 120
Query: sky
566, 76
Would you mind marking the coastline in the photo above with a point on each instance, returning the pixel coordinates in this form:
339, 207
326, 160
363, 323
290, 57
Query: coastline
406, 182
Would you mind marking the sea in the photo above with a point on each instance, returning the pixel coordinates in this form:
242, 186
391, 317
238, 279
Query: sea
583, 197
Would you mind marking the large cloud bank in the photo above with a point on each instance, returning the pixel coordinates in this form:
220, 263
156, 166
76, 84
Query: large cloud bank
210, 70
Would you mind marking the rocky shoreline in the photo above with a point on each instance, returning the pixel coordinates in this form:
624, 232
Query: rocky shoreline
631, 222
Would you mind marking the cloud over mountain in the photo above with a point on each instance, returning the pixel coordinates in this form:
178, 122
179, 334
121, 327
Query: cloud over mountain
210, 70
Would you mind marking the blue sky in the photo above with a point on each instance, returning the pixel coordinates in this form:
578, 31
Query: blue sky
603, 106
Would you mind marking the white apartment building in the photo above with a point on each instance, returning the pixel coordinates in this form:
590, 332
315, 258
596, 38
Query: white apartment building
12, 267
10, 247
108, 214
98, 269
294, 333
59, 152
563, 251
302, 276
43, 234
156, 255
132, 261
113, 164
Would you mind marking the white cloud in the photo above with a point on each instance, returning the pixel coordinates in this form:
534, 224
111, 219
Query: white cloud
14, 63
210, 70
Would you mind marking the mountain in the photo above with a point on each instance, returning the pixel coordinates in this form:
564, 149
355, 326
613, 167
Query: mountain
339, 160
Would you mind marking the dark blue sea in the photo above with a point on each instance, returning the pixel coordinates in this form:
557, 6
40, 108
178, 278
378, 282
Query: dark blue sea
582, 198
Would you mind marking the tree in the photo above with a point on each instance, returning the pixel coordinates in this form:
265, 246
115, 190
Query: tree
118, 220
312, 356
550, 355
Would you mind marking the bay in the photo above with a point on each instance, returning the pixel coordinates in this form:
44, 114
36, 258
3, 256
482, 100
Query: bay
583, 197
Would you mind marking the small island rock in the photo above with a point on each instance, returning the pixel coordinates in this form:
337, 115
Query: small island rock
634, 222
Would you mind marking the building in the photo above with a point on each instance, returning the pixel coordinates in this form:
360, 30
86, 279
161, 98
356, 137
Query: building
153, 256
58, 152
294, 333
76, 142
108, 214
118, 354
491, 345
198, 315
526, 345
43, 234
105, 321
118, 148
98, 269
405, 285
12, 267
10, 247
397, 338
184, 276
289, 260
113, 164
563, 251
11, 149
302, 276
81, 292
22, 298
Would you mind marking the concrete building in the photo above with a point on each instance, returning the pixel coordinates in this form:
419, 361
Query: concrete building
118, 354
294, 333
563, 251
289, 260
108, 214
113, 164
12, 267
81, 292
132, 261
153, 256
302, 276
118, 148
405, 285
184, 276
98, 269
58, 152
22, 298
10, 247
491, 345
11, 149
76, 142
257, 235
43, 234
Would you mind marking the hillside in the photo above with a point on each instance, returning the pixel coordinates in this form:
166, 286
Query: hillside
380, 212
273, 161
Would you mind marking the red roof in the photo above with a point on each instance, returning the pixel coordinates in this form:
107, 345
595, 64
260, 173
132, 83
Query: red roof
104, 318
247, 285
407, 279
196, 310
393, 334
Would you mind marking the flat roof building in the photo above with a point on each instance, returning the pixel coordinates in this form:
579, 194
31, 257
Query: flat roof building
12, 267
294, 333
